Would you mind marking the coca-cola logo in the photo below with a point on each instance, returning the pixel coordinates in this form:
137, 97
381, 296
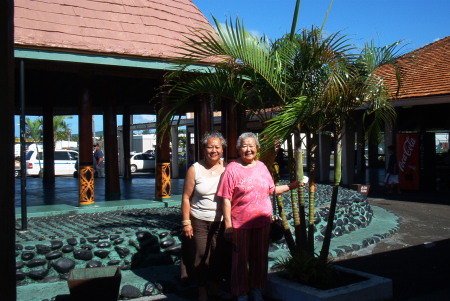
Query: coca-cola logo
408, 147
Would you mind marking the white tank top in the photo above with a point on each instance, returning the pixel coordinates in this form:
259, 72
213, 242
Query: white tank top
205, 205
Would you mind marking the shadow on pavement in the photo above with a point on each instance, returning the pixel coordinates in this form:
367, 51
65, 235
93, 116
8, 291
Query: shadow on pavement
420, 271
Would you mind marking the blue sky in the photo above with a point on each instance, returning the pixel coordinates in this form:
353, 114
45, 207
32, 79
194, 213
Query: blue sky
415, 22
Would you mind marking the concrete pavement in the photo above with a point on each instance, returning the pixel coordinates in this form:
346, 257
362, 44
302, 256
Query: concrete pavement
417, 256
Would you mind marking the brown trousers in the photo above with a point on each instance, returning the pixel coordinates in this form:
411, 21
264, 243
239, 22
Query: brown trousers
250, 249
207, 256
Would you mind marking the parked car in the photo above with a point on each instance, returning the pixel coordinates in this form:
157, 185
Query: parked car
142, 161
65, 161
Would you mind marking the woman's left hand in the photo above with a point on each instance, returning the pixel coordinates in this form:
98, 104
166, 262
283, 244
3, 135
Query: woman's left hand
228, 234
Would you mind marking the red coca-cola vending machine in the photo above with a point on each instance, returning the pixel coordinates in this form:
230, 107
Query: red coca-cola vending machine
408, 161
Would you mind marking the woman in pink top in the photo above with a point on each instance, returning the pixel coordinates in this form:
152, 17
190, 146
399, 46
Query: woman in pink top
246, 187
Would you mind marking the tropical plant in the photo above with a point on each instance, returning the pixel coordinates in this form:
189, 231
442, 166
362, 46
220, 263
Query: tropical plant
317, 69
306, 269
61, 130
33, 131
364, 88
311, 82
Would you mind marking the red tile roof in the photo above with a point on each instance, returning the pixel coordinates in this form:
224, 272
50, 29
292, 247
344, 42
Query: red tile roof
137, 28
426, 71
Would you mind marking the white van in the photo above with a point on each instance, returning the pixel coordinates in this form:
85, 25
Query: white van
65, 161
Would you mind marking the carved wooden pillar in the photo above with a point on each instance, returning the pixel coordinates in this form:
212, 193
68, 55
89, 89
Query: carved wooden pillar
230, 128
112, 184
85, 159
163, 174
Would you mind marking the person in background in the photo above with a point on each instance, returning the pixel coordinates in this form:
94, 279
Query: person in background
246, 187
99, 165
202, 217
391, 179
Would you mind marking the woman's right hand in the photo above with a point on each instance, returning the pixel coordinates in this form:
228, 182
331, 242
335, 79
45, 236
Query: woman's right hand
188, 231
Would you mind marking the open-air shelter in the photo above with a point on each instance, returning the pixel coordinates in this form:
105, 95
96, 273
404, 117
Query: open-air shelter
90, 58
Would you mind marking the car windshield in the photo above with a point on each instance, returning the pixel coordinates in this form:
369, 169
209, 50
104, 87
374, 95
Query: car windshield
148, 157
31, 152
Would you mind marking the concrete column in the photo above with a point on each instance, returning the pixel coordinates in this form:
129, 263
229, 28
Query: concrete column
360, 175
315, 141
324, 157
348, 156
174, 138
85, 159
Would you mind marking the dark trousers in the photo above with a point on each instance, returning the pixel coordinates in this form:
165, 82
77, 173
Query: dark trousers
209, 253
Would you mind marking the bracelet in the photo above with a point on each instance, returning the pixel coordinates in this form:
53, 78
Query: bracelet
290, 186
186, 222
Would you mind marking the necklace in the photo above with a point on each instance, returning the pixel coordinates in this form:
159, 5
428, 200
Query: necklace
213, 169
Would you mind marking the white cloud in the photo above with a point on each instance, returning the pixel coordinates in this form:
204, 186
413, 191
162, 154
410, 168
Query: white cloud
144, 118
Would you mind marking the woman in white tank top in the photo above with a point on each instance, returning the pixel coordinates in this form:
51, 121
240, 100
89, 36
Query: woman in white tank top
202, 218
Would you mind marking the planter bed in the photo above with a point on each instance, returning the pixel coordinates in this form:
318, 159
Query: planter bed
367, 287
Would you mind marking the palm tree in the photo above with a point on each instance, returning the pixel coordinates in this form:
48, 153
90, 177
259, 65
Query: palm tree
309, 79
317, 70
61, 130
363, 88
287, 73
33, 131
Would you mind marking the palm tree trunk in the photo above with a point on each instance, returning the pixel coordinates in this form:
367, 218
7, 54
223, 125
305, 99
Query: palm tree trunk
300, 229
294, 200
311, 203
333, 203
287, 229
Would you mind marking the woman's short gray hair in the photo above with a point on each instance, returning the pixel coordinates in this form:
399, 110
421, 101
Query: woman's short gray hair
213, 134
246, 135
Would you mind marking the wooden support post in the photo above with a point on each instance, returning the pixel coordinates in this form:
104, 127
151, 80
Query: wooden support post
230, 129
203, 117
85, 159
163, 174
49, 147
112, 184
7, 210
126, 142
